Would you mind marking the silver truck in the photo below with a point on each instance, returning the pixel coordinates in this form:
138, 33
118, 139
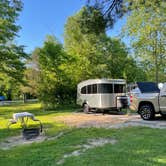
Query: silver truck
147, 99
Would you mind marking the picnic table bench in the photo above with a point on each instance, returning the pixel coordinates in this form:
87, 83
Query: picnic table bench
22, 118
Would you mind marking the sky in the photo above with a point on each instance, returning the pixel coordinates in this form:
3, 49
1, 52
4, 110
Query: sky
42, 17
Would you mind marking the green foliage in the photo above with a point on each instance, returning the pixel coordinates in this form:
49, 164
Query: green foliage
91, 21
11, 55
111, 10
11, 61
9, 87
86, 48
96, 55
32, 74
55, 86
146, 27
88, 54
9, 12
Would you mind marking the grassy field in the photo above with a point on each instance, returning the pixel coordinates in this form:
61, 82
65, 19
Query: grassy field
134, 147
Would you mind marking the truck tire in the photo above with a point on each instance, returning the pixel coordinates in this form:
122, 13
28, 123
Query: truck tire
147, 112
86, 108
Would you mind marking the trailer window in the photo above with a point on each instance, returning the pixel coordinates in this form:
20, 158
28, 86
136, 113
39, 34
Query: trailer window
94, 88
119, 88
83, 90
89, 89
105, 88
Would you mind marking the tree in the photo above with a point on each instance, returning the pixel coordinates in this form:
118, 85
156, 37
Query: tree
55, 86
9, 87
146, 26
87, 54
32, 74
92, 21
111, 9
11, 55
84, 45
95, 54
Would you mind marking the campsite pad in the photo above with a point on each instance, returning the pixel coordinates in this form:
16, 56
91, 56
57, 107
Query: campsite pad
82, 120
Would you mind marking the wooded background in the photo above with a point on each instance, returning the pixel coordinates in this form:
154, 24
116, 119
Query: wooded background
52, 72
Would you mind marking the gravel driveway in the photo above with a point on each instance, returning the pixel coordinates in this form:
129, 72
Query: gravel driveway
82, 120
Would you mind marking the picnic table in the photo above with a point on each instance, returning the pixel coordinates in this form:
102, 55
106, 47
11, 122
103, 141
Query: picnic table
22, 118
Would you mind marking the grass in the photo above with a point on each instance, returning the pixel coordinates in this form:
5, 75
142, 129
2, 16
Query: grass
136, 146
47, 117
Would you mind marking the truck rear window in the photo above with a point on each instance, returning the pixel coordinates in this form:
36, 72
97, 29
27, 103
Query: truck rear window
148, 87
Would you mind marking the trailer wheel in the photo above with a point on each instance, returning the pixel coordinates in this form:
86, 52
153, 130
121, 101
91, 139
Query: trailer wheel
86, 108
147, 112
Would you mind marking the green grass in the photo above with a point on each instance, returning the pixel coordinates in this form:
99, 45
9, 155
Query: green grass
136, 146
51, 126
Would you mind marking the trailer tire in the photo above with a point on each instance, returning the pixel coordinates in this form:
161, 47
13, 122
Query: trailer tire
147, 112
86, 108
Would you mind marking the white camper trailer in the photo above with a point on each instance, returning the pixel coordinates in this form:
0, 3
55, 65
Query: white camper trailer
102, 94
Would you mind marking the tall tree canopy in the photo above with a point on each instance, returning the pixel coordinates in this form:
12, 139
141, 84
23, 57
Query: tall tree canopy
96, 55
55, 84
32, 74
85, 45
111, 9
146, 25
11, 55
86, 54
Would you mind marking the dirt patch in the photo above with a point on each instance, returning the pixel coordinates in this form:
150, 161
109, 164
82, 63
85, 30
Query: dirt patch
82, 120
18, 140
91, 143
88, 120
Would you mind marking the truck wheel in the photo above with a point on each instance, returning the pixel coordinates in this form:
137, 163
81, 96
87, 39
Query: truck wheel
86, 108
147, 112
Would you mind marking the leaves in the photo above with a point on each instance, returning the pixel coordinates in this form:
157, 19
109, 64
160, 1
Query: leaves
9, 12
11, 55
146, 25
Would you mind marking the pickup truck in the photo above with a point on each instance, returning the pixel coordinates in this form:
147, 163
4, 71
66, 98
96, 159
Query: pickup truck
147, 99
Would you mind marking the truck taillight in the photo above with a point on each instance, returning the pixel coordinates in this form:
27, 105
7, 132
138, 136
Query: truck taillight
131, 99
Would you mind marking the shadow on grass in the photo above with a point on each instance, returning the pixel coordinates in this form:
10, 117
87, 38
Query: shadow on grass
48, 129
5, 132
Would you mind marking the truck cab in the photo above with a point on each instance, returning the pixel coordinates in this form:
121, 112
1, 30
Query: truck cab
147, 99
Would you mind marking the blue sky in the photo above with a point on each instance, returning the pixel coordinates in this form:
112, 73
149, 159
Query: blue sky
41, 17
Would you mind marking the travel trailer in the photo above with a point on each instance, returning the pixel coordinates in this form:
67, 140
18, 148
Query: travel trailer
103, 94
